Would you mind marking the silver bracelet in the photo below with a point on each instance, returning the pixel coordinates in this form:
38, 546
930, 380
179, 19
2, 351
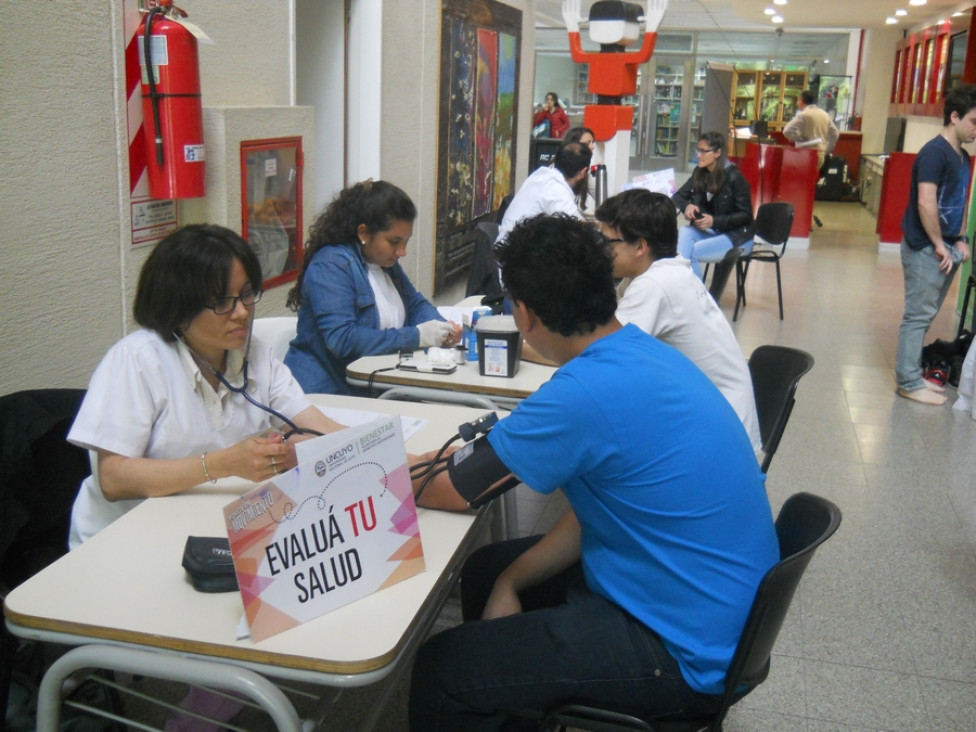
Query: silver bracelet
203, 461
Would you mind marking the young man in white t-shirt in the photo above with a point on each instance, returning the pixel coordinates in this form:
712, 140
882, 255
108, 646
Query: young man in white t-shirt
662, 296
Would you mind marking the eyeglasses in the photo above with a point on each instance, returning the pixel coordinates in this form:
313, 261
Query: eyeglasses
705, 151
227, 305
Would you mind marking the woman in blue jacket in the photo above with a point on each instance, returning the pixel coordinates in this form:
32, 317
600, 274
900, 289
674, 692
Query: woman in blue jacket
353, 298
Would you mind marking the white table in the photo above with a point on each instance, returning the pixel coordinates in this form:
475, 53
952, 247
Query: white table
125, 600
464, 386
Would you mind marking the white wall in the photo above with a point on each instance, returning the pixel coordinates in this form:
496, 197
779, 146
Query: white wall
320, 69
877, 62
68, 268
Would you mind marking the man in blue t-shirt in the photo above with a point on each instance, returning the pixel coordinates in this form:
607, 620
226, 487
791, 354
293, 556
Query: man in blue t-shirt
934, 238
636, 597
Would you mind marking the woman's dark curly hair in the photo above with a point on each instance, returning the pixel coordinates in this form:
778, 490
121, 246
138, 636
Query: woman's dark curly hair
376, 204
188, 271
562, 269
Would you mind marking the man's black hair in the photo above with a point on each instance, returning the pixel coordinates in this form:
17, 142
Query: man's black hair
808, 97
561, 268
571, 158
960, 99
643, 214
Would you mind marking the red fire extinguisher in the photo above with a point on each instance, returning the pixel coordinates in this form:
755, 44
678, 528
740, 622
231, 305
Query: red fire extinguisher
171, 109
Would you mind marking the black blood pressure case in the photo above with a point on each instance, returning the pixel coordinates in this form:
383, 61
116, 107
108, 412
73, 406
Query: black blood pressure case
208, 562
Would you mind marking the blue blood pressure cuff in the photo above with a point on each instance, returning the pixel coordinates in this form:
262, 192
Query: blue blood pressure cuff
475, 468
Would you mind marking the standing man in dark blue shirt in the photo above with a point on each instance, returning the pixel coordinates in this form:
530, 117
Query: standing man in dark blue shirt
934, 237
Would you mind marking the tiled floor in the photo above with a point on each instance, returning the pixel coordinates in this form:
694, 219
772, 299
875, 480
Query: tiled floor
882, 633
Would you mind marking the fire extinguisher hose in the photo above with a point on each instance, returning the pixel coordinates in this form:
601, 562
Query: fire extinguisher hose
150, 74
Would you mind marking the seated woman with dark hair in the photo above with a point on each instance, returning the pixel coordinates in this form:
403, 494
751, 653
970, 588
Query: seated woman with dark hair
717, 202
353, 298
166, 408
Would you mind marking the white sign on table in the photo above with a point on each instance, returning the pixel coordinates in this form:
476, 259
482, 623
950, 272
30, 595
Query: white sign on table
340, 526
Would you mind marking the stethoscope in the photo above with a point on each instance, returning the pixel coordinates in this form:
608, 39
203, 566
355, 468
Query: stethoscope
242, 389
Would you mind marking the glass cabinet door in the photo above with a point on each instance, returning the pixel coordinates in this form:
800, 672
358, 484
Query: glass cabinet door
744, 105
668, 80
793, 85
770, 97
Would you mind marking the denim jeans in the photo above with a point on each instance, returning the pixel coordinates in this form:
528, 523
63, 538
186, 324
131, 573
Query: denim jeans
705, 246
925, 290
567, 644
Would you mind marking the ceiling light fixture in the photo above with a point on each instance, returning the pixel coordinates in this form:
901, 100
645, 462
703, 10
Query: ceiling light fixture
900, 12
891, 20
780, 2
777, 19
826, 60
769, 11
917, 2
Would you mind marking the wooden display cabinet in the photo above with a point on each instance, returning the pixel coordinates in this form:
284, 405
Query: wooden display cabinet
766, 95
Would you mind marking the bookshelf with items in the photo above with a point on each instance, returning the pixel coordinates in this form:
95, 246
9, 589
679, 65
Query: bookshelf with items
668, 81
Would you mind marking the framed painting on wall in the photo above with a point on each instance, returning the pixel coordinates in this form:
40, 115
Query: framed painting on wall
476, 144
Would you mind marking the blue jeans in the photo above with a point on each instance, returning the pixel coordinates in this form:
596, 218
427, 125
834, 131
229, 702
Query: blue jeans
705, 246
567, 644
925, 290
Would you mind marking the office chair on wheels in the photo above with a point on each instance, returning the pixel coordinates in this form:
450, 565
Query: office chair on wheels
804, 523
774, 220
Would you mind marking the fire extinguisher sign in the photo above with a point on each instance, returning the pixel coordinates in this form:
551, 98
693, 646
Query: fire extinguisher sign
193, 154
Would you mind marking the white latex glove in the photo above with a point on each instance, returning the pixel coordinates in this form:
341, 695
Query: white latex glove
654, 14
571, 15
433, 333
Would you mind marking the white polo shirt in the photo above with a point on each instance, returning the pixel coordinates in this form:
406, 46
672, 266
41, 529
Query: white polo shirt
147, 398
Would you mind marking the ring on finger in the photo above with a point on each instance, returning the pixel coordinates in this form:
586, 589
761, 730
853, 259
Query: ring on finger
274, 465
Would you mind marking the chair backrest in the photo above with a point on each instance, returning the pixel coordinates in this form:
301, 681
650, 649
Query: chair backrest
483, 271
804, 523
40, 474
776, 371
277, 332
774, 221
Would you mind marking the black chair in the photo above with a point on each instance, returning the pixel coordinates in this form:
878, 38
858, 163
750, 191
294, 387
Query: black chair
773, 223
39, 477
805, 522
483, 272
776, 371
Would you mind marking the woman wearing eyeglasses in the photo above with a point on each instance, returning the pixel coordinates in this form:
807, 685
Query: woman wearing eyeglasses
717, 202
178, 402
352, 296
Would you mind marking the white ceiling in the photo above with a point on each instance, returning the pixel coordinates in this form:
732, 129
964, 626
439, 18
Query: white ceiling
805, 14
738, 30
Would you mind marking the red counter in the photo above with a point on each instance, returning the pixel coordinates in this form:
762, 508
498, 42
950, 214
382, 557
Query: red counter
779, 173
895, 186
